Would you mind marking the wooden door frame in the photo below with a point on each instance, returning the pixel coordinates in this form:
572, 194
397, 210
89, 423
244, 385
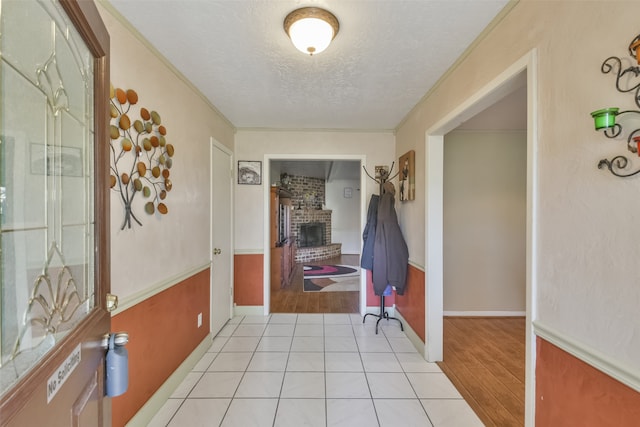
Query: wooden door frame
86, 18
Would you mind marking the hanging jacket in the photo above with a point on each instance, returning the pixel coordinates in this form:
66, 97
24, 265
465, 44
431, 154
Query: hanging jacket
390, 252
369, 233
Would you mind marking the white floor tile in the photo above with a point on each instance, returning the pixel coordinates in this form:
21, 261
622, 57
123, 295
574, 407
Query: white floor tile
235, 320
200, 413
249, 330
433, 385
402, 345
186, 385
380, 362
307, 344
347, 385
400, 412
217, 344
204, 362
390, 386
255, 319
306, 362
227, 330
414, 362
347, 344
268, 361
303, 385
338, 330
314, 370
306, 318
240, 344
250, 413
351, 413
161, 419
216, 384
260, 384
230, 362
356, 319
391, 329
279, 330
373, 344
301, 413
364, 330
274, 344
337, 319
451, 413
343, 362
283, 318
309, 330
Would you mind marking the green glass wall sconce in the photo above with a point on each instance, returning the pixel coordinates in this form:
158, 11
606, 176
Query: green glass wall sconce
627, 81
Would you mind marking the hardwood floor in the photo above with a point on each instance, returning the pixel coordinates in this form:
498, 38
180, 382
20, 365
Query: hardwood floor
485, 359
293, 299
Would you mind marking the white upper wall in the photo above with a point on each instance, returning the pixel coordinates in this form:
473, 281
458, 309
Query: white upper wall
168, 246
485, 198
345, 218
377, 147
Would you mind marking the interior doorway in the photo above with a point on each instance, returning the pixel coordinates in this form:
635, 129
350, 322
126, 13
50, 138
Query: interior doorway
484, 247
313, 193
501, 86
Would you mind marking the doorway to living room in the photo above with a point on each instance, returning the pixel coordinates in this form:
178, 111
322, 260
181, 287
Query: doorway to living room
314, 223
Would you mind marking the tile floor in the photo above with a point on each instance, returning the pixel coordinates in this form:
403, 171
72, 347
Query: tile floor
314, 370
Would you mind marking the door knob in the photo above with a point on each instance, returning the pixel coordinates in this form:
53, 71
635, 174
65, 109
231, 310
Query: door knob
217, 251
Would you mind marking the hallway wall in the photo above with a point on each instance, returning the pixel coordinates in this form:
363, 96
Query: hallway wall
585, 292
485, 200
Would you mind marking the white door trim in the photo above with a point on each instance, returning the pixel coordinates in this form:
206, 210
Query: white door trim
434, 153
266, 179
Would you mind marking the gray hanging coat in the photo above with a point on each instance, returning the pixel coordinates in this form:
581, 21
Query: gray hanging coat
390, 252
369, 233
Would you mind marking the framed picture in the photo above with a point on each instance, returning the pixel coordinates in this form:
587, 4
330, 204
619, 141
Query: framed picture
249, 172
52, 160
407, 176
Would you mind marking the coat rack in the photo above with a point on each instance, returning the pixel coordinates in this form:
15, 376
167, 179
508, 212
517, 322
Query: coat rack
381, 180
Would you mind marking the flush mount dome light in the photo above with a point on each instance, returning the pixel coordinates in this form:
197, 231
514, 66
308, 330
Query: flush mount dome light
311, 29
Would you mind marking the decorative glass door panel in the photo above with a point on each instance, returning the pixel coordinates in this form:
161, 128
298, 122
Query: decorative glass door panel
46, 182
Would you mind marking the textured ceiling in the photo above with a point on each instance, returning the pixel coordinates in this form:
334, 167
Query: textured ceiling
386, 56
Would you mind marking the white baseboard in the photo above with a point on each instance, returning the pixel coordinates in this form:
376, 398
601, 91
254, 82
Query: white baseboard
159, 398
411, 334
485, 313
248, 310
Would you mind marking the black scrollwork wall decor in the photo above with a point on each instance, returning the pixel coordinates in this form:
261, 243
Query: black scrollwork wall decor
627, 81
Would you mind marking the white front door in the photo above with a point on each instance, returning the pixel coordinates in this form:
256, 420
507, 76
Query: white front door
221, 236
54, 213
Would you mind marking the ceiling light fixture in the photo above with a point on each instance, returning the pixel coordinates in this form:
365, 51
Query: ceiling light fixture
311, 29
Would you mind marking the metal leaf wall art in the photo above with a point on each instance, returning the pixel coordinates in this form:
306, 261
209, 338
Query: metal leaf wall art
141, 157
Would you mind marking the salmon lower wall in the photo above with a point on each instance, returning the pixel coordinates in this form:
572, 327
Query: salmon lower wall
372, 299
411, 304
248, 272
570, 392
162, 331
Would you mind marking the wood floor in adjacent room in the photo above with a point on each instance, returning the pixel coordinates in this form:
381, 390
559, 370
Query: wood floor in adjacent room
293, 299
484, 357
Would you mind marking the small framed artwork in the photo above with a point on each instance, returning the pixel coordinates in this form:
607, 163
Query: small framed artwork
250, 172
407, 176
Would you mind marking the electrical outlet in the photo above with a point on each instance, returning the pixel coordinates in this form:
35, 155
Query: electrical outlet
199, 319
